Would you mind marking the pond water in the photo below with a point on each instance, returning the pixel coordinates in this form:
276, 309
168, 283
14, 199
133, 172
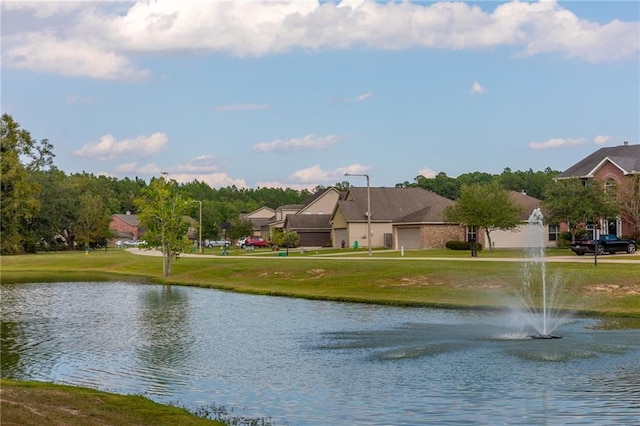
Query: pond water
303, 362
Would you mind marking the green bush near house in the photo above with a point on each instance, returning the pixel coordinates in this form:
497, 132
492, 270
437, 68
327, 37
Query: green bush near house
462, 245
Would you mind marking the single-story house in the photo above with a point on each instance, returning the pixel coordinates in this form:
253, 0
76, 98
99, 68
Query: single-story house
517, 238
400, 217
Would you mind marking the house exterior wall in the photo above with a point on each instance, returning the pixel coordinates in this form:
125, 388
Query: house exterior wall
121, 227
436, 236
607, 171
281, 214
610, 171
516, 238
358, 232
261, 213
323, 205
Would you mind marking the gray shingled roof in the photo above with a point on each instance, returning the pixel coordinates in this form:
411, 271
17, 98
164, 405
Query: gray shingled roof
393, 204
131, 219
527, 203
627, 157
308, 222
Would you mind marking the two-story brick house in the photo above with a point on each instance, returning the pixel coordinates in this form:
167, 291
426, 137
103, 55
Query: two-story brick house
615, 168
125, 227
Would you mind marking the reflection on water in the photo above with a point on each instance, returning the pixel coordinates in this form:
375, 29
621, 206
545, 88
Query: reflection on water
310, 362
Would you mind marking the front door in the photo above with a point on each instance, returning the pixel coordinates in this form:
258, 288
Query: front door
612, 227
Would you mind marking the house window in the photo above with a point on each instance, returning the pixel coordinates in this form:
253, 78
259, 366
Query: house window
554, 232
610, 188
591, 231
472, 234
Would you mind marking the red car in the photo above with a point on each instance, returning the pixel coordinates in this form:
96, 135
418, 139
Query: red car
256, 242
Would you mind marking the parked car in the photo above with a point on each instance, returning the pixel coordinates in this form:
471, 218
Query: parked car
217, 243
606, 243
256, 242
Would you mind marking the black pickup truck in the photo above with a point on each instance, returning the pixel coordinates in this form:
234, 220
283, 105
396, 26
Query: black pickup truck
606, 243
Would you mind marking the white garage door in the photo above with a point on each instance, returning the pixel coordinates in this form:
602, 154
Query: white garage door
340, 235
409, 238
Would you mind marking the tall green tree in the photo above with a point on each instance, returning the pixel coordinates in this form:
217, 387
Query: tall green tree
161, 210
628, 197
92, 225
19, 155
486, 206
51, 227
577, 203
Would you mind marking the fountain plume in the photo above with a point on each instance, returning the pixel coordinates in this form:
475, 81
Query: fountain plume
538, 295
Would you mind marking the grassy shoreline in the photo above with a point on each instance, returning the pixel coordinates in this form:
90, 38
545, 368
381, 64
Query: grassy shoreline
606, 290
32, 403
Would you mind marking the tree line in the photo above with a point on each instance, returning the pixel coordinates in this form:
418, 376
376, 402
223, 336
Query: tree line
43, 208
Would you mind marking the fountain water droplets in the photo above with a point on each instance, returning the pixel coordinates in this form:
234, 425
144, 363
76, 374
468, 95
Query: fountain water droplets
538, 298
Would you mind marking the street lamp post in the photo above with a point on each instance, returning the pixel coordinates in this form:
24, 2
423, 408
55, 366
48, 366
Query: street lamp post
368, 210
200, 227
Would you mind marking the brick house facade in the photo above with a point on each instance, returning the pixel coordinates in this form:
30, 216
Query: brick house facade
125, 227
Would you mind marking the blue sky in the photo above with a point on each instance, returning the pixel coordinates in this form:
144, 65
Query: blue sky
295, 94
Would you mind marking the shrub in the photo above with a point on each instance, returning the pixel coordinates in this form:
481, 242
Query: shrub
462, 245
564, 240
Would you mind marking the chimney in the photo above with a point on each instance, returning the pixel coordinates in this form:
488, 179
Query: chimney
625, 143
128, 212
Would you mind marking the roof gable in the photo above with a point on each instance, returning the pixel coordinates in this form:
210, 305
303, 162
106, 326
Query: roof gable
261, 213
329, 196
625, 157
527, 202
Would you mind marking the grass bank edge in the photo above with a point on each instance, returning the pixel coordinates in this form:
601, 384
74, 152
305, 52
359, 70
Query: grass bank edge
366, 282
30, 402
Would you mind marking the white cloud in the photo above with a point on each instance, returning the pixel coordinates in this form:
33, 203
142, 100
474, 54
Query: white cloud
42, 52
316, 174
476, 88
557, 143
108, 148
198, 165
602, 139
363, 97
97, 41
149, 169
126, 168
214, 180
309, 142
241, 107
427, 172
345, 99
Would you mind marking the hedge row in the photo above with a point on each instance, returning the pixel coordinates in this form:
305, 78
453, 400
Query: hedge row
462, 245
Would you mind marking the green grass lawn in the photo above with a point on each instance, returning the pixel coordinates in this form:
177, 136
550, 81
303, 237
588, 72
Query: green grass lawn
608, 289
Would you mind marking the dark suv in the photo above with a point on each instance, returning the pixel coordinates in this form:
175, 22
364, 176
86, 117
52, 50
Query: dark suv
606, 243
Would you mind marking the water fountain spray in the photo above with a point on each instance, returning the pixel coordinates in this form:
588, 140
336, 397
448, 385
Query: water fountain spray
535, 274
